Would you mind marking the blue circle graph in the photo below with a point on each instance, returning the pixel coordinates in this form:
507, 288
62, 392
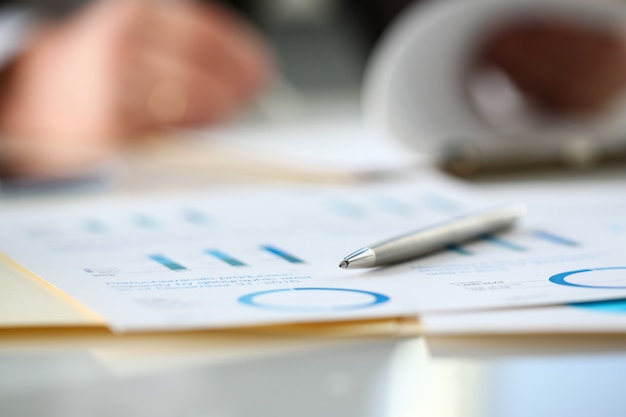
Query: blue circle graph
252, 300
610, 306
561, 278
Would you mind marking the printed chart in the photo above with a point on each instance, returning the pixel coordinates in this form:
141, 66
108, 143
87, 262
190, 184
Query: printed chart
313, 299
212, 259
604, 316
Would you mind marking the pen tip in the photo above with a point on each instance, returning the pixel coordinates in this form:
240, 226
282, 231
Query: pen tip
344, 264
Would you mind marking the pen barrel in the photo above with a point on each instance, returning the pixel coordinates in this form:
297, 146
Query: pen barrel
434, 238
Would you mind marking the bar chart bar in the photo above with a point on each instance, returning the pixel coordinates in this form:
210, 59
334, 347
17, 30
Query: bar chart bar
439, 203
167, 262
224, 257
551, 237
503, 243
196, 217
346, 208
282, 254
459, 249
95, 226
145, 222
394, 207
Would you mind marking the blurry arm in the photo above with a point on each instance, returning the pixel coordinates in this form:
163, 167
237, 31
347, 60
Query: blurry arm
15, 23
122, 69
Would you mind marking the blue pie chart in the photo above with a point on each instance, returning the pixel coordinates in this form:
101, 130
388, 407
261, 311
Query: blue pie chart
609, 306
565, 278
313, 299
606, 306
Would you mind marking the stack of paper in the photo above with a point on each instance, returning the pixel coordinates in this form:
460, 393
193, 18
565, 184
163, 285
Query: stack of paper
249, 257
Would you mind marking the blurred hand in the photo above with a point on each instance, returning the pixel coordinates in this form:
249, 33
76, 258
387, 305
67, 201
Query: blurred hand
122, 69
564, 67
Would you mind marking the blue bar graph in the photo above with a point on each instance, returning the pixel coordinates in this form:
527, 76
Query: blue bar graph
551, 237
145, 222
438, 202
95, 226
346, 208
458, 249
224, 257
394, 206
503, 243
196, 217
282, 254
167, 262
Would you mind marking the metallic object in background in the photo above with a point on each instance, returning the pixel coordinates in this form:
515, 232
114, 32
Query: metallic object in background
581, 153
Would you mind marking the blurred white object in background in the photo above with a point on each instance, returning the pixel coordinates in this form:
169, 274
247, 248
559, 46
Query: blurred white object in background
419, 88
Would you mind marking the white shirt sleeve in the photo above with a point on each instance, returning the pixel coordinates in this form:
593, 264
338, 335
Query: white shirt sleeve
15, 24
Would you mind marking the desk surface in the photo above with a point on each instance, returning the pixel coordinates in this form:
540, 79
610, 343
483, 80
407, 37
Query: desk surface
538, 376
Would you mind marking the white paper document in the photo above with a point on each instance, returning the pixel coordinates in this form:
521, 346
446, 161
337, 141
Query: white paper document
590, 317
212, 259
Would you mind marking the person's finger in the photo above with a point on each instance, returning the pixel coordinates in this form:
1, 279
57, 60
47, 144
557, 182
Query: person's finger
167, 92
212, 41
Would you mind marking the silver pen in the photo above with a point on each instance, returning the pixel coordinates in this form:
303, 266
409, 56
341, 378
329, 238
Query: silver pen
424, 241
